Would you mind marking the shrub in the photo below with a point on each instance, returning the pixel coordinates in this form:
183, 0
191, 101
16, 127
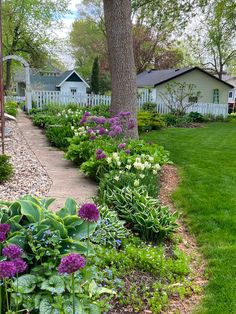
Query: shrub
148, 121
196, 116
6, 169
149, 106
58, 135
142, 212
11, 108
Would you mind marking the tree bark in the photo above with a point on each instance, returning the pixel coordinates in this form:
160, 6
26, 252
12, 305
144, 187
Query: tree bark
121, 58
8, 75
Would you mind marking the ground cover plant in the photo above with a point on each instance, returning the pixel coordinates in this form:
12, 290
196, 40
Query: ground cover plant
6, 169
206, 160
11, 108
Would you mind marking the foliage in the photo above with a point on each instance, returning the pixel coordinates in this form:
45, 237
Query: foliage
26, 29
94, 83
149, 106
11, 108
58, 135
195, 116
110, 230
179, 96
148, 121
6, 169
152, 290
142, 212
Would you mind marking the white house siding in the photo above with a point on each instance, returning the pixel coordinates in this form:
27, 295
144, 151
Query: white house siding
204, 83
80, 87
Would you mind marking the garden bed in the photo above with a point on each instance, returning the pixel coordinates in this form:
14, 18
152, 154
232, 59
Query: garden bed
29, 175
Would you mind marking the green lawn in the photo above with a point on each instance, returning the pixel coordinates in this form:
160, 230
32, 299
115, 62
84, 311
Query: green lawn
206, 158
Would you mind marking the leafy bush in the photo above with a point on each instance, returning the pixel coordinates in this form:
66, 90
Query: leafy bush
142, 212
11, 108
149, 106
110, 229
148, 121
177, 121
6, 169
58, 135
196, 116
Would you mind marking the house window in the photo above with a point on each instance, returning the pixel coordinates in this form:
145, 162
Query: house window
230, 94
216, 96
73, 91
192, 99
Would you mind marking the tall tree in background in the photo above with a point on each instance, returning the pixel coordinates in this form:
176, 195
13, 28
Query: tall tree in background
213, 44
94, 84
27, 28
121, 57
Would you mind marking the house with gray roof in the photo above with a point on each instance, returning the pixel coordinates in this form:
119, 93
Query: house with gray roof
211, 88
69, 82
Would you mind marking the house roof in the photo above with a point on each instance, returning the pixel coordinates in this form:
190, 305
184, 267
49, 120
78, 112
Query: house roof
49, 82
154, 78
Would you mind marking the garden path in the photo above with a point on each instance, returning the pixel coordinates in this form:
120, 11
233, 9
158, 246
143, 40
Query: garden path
67, 180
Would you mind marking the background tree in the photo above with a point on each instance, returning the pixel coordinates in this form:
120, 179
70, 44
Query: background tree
121, 57
27, 29
94, 84
179, 96
213, 44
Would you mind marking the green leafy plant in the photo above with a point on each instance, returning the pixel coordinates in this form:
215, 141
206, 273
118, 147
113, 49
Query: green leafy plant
148, 120
11, 108
6, 169
149, 106
144, 213
58, 135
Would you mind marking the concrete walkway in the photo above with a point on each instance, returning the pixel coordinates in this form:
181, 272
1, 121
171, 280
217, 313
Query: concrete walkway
67, 180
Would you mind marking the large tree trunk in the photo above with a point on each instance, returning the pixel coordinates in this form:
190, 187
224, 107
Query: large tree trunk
8, 75
121, 57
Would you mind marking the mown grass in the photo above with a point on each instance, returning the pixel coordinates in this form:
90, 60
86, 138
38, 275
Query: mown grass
206, 158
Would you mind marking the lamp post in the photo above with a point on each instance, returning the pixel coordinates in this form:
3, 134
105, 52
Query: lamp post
1, 84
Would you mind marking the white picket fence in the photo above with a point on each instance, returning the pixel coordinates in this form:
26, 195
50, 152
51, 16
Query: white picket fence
17, 99
42, 98
203, 108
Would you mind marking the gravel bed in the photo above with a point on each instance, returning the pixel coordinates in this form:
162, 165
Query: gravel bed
29, 175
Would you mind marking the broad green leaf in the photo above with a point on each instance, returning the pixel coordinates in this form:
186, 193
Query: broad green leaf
18, 239
57, 226
74, 246
47, 202
94, 309
72, 221
45, 306
71, 205
26, 283
82, 231
63, 212
32, 211
54, 284
15, 209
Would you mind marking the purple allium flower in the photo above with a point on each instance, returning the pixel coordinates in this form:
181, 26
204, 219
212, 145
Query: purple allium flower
101, 130
99, 151
84, 118
89, 131
131, 123
124, 113
3, 236
121, 145
101, 156
7, 270
89, 212
93, 137
128, 151
112, 134
12, 251
114, 120
20, 265
71, 263
99, 120
5, 228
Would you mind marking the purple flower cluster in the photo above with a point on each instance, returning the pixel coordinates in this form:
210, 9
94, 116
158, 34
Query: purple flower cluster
131, 123
71, 263
89, 212
4, 229
12, 251
100, 154
7, 270
124, 113
99, 120
128, 151
121, 145
101, 130
84, 118
16, 265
